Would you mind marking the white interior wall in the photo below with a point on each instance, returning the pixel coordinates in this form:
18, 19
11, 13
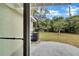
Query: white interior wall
11, 25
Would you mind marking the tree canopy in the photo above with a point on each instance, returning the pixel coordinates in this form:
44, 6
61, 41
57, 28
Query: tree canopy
57, 24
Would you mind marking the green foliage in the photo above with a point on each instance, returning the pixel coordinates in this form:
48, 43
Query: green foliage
60, 24
73, 23
76, 27
57, 24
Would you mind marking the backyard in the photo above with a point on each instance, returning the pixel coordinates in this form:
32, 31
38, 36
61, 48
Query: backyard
58, 28
72, 39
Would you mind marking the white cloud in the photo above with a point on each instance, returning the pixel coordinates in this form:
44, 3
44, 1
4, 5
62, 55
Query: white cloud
54, 12
73, 10
72, 13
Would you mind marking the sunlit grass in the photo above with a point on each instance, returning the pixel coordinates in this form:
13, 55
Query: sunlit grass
72, 39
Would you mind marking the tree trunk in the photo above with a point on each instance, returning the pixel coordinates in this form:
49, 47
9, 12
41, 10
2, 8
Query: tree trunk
59, 34
69, 10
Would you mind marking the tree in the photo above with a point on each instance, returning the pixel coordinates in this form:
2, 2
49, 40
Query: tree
73, 23
40, 15
60, 25
69, 6
76, 27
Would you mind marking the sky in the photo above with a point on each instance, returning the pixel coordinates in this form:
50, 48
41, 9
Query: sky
62, 10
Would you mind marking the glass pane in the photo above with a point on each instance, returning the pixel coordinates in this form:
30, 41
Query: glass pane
55, 29
11, 29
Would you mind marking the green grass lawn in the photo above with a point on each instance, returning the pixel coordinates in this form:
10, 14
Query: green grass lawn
72, 39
